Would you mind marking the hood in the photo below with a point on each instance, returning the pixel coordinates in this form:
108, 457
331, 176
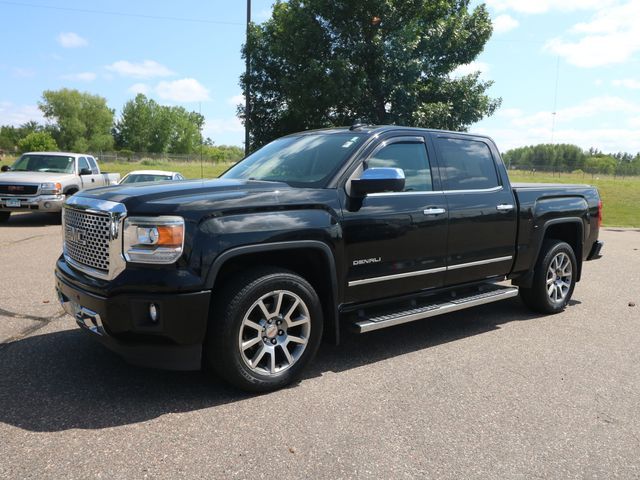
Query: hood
35, 177
193, 195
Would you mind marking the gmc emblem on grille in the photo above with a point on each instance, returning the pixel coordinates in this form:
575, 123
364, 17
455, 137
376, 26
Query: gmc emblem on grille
15, 188
76, 235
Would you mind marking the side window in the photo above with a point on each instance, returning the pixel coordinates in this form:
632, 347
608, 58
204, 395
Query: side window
466, 164
93, 165
411, 157
82, 163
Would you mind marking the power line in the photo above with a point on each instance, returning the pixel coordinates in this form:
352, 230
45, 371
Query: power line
121, 14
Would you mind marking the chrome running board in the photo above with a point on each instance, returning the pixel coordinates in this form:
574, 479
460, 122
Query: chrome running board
439, 307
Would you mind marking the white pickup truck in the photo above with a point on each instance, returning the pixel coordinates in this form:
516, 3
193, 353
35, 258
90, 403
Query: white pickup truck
43, 180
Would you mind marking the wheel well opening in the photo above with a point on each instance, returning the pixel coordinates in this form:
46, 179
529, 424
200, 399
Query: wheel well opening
569, 233
309, 263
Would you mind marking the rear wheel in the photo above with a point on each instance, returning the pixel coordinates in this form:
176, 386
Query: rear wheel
4, 216
554, 278
264, 328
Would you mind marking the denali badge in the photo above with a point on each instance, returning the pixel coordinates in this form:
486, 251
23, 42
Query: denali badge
76, 235
364, 261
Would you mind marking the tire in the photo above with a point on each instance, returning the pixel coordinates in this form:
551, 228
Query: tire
264, 328
4, 217
554, 278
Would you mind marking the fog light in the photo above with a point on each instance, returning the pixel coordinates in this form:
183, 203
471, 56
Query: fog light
47, 205
153, 312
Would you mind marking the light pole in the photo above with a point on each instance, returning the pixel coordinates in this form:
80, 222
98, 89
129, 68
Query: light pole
247, 91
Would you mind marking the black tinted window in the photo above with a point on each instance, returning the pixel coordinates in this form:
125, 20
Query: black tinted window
466, 164
411, 157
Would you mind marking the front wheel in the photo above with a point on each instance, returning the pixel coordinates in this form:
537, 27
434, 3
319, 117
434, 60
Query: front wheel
264, 328
554, 278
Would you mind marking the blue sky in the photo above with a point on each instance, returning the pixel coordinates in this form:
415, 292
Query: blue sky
188, 53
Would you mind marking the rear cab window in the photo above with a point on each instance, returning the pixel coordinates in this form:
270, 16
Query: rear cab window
93, 165
466, 164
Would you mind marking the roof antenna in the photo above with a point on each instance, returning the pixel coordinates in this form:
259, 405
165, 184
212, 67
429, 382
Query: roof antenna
357, 124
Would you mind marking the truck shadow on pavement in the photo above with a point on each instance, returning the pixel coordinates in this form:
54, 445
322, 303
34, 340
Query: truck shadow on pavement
31, 219
64, 380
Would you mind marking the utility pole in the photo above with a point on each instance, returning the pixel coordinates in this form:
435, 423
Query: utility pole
247, 90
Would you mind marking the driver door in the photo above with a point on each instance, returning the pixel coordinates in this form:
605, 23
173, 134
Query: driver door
395, 242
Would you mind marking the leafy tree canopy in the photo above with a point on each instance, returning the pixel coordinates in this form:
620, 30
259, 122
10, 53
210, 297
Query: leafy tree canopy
146, 126
320, 63
38, 141
82, 121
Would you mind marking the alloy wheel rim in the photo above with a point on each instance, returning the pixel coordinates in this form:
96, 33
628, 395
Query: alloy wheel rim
274, 332
559, 276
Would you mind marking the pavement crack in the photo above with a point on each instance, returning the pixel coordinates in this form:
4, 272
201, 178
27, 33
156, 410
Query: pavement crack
35, 318
42, 322
22, 240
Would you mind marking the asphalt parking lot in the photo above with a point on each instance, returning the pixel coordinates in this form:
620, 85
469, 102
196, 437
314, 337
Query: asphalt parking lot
494, 392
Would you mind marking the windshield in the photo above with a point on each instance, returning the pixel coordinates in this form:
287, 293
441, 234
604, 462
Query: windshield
44, 163
146, 177
301, 161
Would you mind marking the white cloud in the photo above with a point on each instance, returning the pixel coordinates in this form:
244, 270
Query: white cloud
19, 72
504, 23
593, 107
536, 128
610, 37
544, 6
71, 40
11, 114
142, 88
217, 126
469, 68
627, 83
80, 77
510, 113
236, 99
183, 90
145, 69
605, 139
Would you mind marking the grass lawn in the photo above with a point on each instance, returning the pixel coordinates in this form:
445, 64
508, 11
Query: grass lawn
187, 169
621, 197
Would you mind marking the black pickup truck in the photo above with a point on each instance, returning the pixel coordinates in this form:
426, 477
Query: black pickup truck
362, 228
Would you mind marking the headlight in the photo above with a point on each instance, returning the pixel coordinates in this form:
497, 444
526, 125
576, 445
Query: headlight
50, 188
153, 239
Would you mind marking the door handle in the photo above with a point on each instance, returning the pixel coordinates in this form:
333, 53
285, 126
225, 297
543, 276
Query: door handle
434, 211
93, 180
504, 207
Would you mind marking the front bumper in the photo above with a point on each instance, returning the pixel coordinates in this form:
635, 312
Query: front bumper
45, 203
122, 323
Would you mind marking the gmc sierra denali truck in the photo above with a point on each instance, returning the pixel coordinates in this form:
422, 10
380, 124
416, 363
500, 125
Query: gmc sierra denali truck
362, 227
43, 180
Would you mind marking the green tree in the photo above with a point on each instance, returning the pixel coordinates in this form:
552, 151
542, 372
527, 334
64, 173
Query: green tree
38, 142
133, 130
145, 126
82, 121
320, 63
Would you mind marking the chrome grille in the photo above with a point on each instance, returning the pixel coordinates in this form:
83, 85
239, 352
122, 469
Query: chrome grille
86, 238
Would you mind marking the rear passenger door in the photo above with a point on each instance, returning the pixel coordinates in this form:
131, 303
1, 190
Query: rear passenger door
482, 210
